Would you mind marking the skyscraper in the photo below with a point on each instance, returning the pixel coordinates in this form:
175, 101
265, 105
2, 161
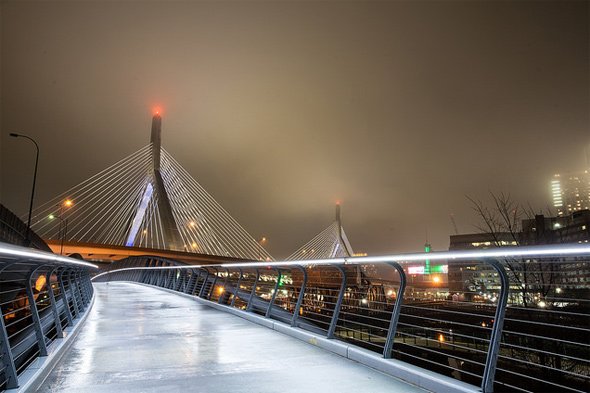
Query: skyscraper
571, 192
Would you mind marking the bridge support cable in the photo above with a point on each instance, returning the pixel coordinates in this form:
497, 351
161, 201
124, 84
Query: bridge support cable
327, 244
147, 200
111, 187
201, 220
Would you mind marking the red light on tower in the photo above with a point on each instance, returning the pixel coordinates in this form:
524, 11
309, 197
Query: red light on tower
157, 111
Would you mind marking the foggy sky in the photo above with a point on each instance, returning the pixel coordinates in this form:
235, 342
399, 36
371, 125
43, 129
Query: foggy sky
279, 109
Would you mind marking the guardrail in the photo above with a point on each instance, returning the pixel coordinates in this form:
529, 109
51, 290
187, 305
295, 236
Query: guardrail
40, 295
506, 319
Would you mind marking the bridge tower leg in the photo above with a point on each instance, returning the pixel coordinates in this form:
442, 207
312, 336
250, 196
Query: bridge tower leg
169, 226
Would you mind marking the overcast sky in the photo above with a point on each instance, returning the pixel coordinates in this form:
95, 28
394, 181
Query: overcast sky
398, 109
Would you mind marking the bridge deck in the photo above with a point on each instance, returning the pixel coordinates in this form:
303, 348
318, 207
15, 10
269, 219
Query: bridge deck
139, 339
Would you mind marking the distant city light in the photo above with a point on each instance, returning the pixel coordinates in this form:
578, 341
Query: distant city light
40, 283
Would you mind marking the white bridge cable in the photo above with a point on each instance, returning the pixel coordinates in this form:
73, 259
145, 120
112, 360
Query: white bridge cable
98, 219
106, 204
79, 191
327, 244
98, 199
95, 215
179, 195
208, 227
51, 205
247, 245
219, 227
202, 228
120, 219
55, 206
151, 226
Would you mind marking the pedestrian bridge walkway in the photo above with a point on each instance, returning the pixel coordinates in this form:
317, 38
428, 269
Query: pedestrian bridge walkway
143, 339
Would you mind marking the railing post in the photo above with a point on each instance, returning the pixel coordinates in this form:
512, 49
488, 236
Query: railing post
54, 309
7, 358
158, 277
77, 291
64, 296
84, 287
300, 297
73, 295
397, 307
89, 284
336, 312
489, 372
189, 284
180, 280
35, 314
193, 288
186, 280
253, 292
233, 300
211, 292
274, 294
78, 281
163, 277
202, 289
170, 279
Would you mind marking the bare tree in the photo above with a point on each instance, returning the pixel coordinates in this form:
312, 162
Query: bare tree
502, 222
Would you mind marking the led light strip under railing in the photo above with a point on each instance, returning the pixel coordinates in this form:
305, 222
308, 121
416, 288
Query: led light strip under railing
12, 251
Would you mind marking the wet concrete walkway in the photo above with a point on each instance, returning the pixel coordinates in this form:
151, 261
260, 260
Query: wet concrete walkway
140, 339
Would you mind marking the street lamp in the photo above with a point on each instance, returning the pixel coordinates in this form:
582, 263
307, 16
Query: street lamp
28, 234
63, 222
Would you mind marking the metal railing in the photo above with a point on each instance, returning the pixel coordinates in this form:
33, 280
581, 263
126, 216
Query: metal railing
40, 295
510, 319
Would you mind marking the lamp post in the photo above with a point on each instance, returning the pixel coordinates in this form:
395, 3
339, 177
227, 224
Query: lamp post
28, 234
63, 222
63, 230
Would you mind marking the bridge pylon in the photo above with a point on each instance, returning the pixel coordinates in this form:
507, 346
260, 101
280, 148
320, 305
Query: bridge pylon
149, 200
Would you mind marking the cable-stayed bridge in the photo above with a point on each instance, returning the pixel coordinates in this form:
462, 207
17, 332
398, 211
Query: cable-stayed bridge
146, 200
451, 335
332, 242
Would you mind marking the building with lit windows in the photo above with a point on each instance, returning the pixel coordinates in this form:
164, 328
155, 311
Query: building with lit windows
571, 192
570, 275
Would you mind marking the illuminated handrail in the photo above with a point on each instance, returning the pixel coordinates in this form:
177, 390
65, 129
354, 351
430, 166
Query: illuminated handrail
40, 295
486, 341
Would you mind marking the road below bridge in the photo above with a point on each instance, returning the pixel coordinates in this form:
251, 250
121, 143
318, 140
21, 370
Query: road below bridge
141, 339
